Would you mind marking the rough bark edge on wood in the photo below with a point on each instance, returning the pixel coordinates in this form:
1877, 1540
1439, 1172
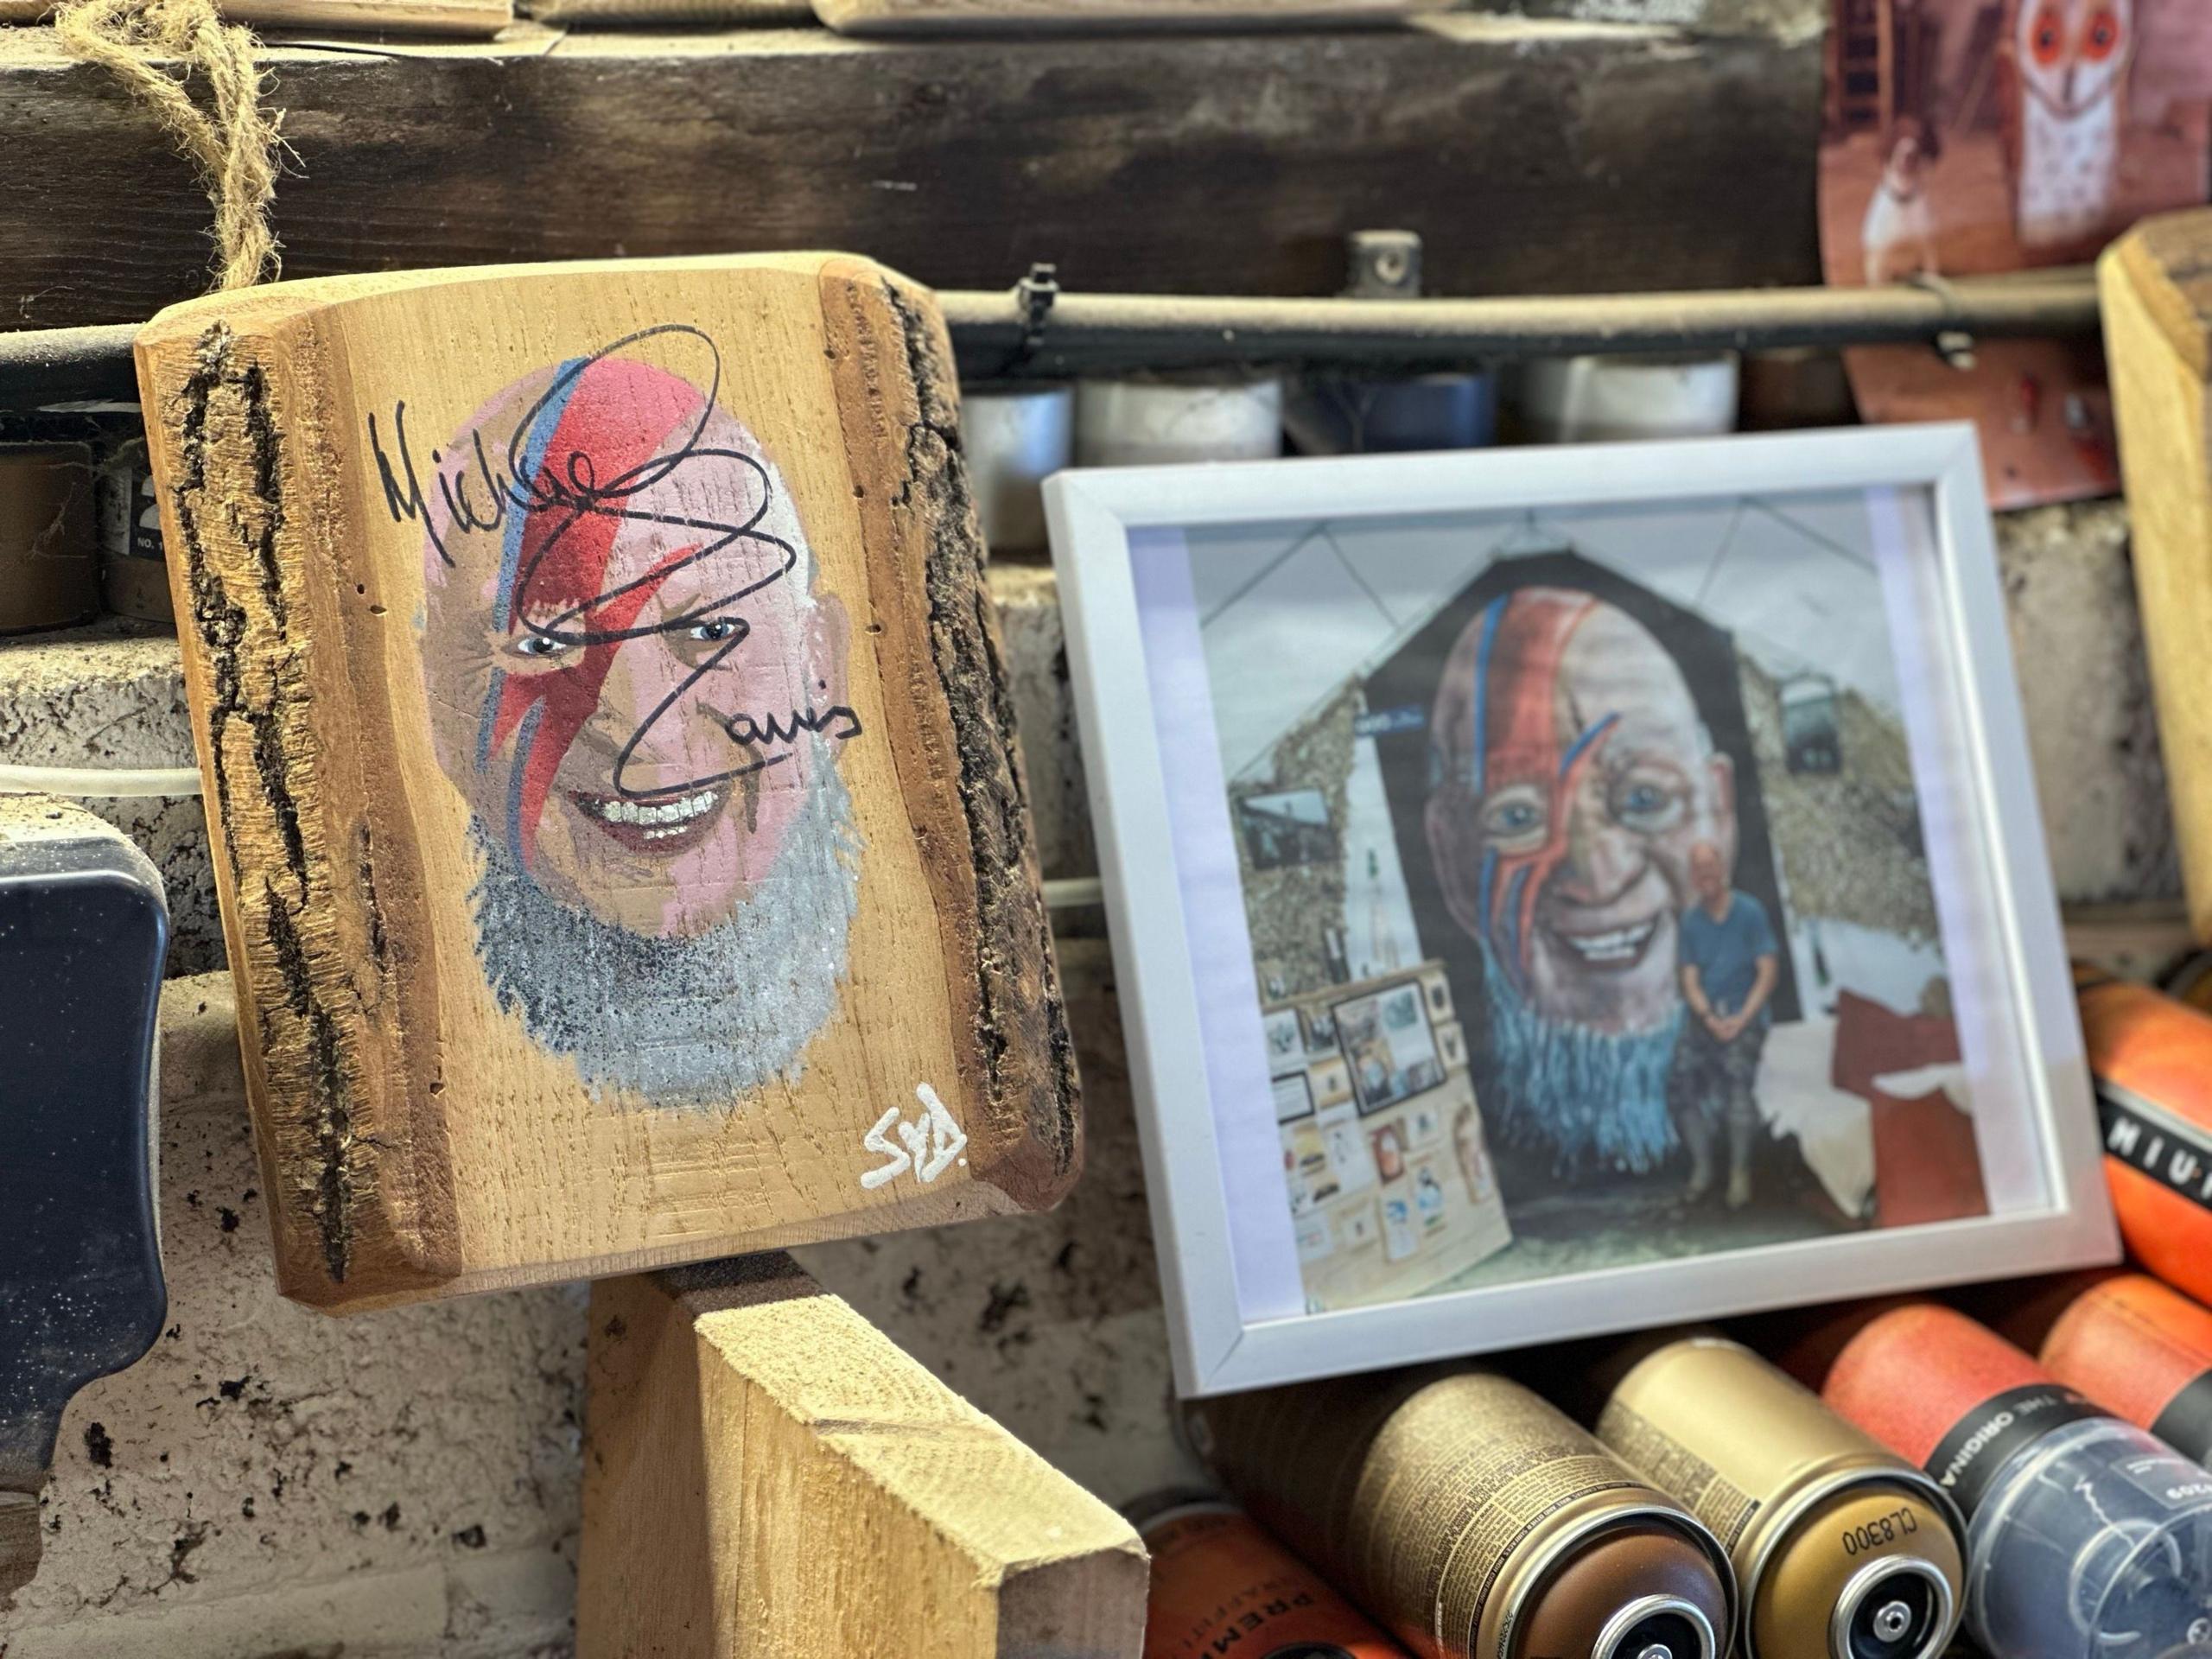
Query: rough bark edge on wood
2156, 285
244, 571
1024, 1060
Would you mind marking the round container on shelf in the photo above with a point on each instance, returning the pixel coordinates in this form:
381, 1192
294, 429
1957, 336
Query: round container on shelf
49, 559
1015, 435
1160, 420
134, 575
1601, 399
1330, 414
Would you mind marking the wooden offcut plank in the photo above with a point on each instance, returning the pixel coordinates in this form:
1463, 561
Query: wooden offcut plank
1533, 157
2157, 312
767, 1473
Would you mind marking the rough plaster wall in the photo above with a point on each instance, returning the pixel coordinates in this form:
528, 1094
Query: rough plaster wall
463, 1413
2069, 590
270, 1479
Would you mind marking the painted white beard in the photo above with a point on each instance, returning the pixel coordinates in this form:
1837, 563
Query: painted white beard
2069, 165
1592, 1102
699, 1022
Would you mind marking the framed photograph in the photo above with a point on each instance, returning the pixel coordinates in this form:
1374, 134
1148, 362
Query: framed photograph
1286, 827
1685, 887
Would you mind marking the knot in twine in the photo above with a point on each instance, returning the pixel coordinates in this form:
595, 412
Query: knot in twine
233, 149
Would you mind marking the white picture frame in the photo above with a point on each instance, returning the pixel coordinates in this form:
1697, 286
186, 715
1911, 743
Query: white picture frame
1204, 1170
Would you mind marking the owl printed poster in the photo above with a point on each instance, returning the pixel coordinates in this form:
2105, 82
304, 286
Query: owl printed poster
1963, 138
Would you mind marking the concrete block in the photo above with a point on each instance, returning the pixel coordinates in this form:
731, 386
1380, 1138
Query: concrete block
2085, 686
112, 696
1029, 599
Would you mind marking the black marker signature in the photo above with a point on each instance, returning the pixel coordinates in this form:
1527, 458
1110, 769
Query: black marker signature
485, 487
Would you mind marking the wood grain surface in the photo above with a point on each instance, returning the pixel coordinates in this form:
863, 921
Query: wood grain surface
925, 17
2155, 287
477, 18
1551, 157
767, 1473
622, 852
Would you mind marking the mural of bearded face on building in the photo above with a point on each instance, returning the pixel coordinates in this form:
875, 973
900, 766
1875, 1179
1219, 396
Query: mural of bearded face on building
638, 688
1576, 738
1574, 777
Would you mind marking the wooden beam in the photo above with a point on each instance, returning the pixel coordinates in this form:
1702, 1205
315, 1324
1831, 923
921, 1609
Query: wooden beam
2157, 289
368, 17
921, 17
1533, 157
766, 1474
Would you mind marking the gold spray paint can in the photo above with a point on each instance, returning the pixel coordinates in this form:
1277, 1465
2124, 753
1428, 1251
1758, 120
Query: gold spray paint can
1472, 1518
1844, 1550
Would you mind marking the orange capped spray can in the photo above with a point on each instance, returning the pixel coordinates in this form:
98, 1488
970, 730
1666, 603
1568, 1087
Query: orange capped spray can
1220, 1584
2086, 1537
2151, 1058
2143, 1351
1844, 1550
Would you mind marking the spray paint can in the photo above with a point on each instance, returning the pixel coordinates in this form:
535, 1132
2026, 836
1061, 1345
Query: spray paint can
2144, 1350
1219, 1583
1472, 1518
2086, 1537
2151, 1061
1842, 1548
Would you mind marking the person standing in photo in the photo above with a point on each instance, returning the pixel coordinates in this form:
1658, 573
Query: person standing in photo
1729, 962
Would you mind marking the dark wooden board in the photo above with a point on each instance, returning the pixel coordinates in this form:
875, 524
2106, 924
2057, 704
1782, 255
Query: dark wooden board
83, 928
1532, 156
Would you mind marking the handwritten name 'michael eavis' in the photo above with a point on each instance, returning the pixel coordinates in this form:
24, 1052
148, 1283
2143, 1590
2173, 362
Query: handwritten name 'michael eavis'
479, 491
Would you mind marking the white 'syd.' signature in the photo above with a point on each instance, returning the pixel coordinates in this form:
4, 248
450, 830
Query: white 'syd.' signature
928, 1147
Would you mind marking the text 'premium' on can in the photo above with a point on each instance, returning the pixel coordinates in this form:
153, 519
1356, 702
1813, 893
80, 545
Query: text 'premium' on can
1470, 1517
2086, 1538
1842, 1548
1220, 1584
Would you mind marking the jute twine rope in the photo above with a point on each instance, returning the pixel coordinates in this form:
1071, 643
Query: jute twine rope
234, 148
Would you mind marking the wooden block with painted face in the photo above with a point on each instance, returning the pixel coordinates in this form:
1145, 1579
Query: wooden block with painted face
623, 852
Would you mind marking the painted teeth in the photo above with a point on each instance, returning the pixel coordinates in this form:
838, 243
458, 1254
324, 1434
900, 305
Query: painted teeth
677, 812
1617, 946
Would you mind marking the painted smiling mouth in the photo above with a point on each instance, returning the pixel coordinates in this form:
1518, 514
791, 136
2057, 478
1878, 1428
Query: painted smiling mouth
669, 825
1618, 947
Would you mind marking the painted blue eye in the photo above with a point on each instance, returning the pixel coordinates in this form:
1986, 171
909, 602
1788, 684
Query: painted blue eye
1515, 817
713, 632
539, 645
1648, 805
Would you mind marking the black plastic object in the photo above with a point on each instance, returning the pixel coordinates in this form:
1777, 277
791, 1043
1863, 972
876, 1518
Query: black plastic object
83, 930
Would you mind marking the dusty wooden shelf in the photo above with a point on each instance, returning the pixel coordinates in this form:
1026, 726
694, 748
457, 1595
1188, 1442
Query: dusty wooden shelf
1532, 156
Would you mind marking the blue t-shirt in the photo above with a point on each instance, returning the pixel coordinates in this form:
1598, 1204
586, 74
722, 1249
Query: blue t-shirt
1727, 953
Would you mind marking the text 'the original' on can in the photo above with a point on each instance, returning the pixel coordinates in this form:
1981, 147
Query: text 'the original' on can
2150, 1061
2086, 1538
1221, 1584
1843, 1549
2145, 1350
1470, 1517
